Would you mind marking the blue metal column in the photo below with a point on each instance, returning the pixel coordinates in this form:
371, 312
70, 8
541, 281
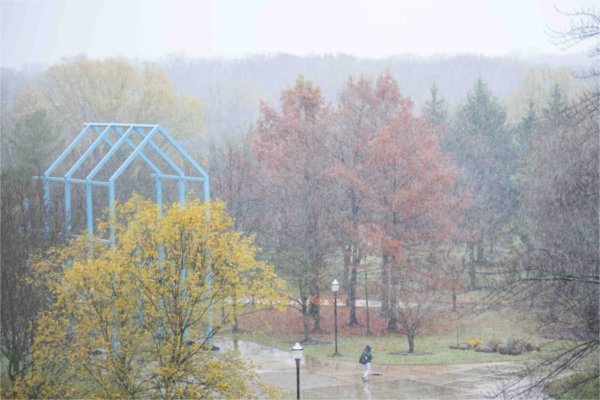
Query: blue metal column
206, 189
159, 194
181, 192
68, 206
90, 212
46, 205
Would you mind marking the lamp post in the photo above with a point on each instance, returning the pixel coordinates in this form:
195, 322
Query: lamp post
335, 286
297, 352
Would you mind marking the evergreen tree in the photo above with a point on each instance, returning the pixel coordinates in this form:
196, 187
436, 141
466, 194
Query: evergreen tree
435, 109
555, 112
483, 148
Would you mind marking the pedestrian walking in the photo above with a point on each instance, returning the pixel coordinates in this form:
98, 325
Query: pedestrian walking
365, 359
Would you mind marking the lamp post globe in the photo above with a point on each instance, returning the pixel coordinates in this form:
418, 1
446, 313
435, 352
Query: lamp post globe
297, 351
335, 286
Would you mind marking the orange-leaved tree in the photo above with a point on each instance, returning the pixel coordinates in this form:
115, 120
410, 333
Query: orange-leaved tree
413, 216
292, 147
364, 109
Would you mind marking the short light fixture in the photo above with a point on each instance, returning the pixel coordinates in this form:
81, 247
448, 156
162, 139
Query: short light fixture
297, 353
335, 286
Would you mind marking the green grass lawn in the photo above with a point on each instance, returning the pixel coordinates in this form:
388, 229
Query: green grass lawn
487, 326
564, 388
350, 349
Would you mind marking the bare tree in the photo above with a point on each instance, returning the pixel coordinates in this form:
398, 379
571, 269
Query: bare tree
557, 270
556, 274
584, 27
21, 297
21, 237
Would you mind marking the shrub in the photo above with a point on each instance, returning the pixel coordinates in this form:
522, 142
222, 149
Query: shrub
531, 347
493, 344
474, 343
515, 346
483, 348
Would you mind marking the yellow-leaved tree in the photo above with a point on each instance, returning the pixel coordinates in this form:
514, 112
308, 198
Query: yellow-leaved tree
130, 319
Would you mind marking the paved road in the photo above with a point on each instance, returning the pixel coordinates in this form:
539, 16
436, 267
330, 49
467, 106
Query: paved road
329, 379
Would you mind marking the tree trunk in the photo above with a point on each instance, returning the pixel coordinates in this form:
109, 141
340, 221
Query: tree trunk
13, 369
393, 318
346, 273
480, 260
472, 272
393, 310
453, 298
480, 252
236, 327
314, 311
352, 320
314, 302
305, 316
411, 342
385, 285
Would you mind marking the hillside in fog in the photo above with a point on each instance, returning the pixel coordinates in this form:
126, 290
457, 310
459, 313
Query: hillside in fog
231, 88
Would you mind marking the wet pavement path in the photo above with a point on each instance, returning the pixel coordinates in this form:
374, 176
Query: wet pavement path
329, 379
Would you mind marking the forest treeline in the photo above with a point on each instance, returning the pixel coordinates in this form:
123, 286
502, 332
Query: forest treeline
231, 89
445, 176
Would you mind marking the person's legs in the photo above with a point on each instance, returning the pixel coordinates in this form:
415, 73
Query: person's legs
366, 371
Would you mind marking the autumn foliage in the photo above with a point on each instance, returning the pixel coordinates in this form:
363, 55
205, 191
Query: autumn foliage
367, 178
131, 319
292, 148
411, 215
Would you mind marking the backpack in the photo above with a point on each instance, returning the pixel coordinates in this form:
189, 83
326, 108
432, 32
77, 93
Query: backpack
363, 358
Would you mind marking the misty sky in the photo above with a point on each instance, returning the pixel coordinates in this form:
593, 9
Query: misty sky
44, 31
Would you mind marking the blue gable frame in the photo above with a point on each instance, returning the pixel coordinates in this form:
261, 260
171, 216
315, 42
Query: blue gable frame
125, 133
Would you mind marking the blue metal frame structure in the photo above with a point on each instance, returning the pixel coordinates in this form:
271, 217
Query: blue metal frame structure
146, 133
124, 132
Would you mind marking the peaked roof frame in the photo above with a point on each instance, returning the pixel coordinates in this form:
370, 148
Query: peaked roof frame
124, 131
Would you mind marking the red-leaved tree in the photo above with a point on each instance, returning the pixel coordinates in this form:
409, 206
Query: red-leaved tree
291, 144
413, 216
363, 110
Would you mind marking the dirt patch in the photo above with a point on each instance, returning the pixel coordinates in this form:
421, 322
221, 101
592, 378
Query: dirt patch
414, 353
284, 324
